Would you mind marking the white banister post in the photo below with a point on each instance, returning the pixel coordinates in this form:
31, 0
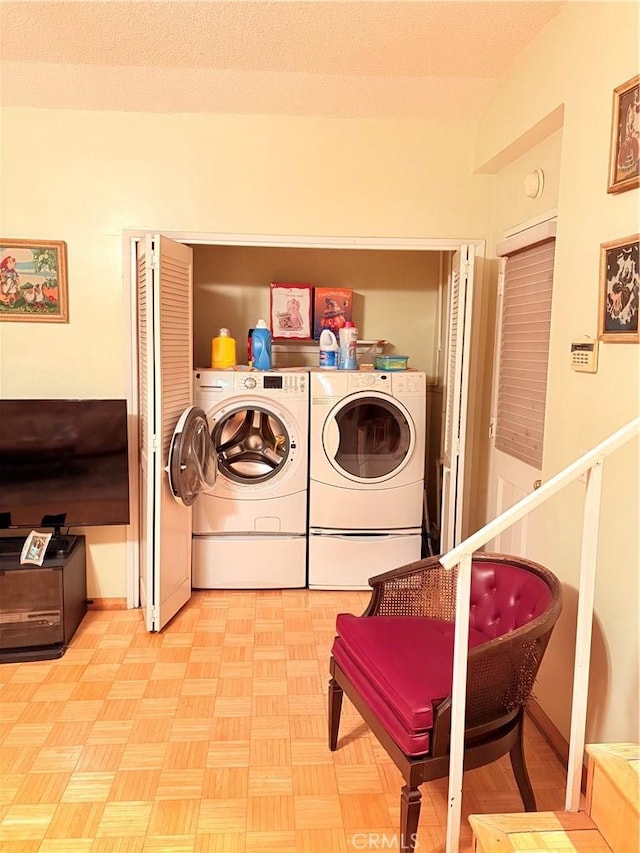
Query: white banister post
586, 595
458, 701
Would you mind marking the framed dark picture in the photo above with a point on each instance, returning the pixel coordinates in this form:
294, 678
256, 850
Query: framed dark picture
624, 157
33, 281
619, 288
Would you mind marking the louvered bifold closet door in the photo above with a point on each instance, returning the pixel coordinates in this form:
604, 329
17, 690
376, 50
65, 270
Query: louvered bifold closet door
524, 353
165, 341
173, 345
452, 407
456, 397
176, 359
146, 393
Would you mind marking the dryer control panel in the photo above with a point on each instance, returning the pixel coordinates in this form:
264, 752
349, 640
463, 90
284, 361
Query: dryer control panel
400, 383
409, 384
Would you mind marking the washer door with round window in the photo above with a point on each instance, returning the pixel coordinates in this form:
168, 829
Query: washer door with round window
369, 438
191, 464
253, 446
261, 455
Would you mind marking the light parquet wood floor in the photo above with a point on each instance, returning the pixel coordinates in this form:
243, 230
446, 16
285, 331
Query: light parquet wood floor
210, 737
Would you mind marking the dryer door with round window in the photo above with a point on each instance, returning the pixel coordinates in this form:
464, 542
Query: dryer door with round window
368, 438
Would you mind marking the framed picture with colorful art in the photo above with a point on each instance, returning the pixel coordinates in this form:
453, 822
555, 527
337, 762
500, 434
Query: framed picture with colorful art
291, 311
624, 157
332, 309
619, 290
33, 281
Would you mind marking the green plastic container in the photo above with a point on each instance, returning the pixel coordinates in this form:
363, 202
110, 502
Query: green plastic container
392, 362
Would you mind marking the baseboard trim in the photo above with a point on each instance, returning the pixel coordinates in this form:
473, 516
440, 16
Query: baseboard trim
107, 604
553, 736
547, 728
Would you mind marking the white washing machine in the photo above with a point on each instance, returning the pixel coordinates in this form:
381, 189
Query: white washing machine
366, 475
249, 531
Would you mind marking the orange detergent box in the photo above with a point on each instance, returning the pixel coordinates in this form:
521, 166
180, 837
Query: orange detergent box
331, 309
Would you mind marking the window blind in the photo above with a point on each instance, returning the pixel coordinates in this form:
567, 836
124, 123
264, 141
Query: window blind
524, 353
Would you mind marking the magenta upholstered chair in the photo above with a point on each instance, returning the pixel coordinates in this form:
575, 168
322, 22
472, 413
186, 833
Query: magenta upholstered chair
395, 664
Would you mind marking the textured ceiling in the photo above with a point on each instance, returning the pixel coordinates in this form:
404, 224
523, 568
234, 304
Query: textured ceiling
340, 59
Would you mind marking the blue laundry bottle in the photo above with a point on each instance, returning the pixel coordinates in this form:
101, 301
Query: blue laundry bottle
261, 346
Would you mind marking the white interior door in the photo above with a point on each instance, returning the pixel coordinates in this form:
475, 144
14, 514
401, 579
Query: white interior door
165, 355
520, 385
456, 396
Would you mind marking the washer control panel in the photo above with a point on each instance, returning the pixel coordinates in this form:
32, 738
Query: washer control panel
288, 384
273, 383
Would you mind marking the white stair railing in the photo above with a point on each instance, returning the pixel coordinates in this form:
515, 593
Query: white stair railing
591, 464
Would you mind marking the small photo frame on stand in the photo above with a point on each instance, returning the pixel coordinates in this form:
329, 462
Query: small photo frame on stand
619, 291
35, 548
291, 306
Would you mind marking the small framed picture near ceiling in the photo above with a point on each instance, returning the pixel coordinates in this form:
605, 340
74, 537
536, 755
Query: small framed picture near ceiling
624, 156
619, 291
33, 281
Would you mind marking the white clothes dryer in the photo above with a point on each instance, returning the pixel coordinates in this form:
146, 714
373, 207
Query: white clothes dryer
366, 483
249, 531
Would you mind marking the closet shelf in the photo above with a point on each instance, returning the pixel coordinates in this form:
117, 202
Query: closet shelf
310, 346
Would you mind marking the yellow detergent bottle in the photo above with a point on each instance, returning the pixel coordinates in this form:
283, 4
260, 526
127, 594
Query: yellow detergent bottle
223, 350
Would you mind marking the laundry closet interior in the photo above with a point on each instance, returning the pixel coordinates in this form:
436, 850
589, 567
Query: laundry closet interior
400, 296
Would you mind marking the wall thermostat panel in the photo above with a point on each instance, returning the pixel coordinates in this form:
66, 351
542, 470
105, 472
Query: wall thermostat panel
584, 356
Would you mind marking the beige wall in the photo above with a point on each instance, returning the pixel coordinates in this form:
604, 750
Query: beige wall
575, 64
85, 177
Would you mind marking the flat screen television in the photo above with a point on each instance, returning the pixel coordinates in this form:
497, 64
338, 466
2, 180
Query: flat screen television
63, 463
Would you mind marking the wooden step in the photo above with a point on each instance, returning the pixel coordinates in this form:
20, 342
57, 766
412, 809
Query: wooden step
610, 824
613, 793
535, 832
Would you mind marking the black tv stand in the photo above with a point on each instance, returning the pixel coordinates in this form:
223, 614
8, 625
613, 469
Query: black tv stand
41, 607
59, 545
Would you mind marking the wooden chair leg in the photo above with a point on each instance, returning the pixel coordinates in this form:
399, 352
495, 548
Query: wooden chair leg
335, 709
516, 754
410, 802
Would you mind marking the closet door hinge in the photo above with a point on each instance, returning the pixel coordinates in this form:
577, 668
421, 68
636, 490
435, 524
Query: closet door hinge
155, 261
492, 428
